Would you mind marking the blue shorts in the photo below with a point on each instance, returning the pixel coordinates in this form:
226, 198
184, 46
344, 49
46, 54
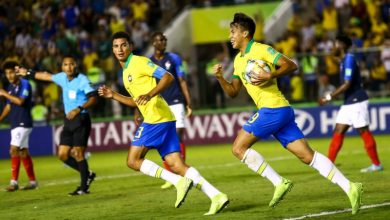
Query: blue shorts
161, 136
279, 122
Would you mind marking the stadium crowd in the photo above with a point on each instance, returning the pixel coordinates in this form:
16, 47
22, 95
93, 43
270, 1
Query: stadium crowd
38, 33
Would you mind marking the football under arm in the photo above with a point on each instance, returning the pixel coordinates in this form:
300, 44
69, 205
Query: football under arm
286, 66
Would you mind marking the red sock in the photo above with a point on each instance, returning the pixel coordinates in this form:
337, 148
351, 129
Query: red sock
335, 146
370, 145
29, 167
183, 151
15, 165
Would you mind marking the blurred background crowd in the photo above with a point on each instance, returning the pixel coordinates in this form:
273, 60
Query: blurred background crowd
36, 34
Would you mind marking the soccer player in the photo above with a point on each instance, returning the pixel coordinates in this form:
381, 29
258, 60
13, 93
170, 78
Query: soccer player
158, 128
18, 107
274, 116
354, 111
78, 96
176, 94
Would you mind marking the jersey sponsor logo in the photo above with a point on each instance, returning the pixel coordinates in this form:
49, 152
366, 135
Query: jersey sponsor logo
129, 78
305, 121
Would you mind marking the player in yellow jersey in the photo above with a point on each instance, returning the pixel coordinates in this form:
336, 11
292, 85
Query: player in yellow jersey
158, 130
274, 116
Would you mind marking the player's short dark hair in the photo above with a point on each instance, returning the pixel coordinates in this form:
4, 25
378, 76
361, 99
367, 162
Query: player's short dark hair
345, 40
9, 65
122, 34
245, 22
70, 56
158, 33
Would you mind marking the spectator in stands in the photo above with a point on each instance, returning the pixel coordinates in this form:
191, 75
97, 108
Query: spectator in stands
309, 68
39, 113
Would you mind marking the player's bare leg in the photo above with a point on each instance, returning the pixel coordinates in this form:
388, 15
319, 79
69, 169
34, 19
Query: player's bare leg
326, 168
241, 149
179, 132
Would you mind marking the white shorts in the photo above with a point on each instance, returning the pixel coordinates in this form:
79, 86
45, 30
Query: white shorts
355, 115
180, 114
20, 137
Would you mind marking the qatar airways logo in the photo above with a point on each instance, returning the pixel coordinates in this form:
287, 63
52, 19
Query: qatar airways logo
305, 121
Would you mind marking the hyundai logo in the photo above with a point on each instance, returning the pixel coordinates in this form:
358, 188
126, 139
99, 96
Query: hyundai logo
304, 121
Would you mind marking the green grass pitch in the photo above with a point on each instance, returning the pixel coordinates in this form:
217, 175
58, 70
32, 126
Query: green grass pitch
120, 193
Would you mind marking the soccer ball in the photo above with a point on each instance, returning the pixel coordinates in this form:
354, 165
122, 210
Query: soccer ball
255, 66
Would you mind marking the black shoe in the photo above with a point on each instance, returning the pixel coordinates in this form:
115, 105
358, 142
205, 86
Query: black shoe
78, 192
91, 178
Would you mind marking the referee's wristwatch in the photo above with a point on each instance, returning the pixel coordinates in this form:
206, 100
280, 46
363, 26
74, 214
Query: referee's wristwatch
81, 108
328, 97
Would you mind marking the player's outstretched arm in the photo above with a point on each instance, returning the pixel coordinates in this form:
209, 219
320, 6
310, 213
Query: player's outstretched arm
231, 88
108, 93
39, 75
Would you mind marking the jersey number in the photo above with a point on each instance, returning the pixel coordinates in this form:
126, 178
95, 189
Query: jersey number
139, 132
253, 118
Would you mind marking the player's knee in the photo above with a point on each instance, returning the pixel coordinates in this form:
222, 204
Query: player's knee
238, 151
14, 151
63, 156
133, 164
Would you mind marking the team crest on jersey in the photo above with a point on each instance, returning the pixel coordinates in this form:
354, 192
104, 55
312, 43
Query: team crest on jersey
129, 78
167, 65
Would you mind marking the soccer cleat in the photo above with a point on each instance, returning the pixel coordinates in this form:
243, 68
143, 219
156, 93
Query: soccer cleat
30, 186
355, 196
91, 178
78, 192
280, 192
12, 188
218, 203
182, 187
166, 185
372, 168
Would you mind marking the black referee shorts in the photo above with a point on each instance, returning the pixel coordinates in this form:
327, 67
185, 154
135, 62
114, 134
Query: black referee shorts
76, 131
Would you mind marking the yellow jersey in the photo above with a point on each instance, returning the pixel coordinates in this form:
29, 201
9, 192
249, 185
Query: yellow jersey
266, 94
139, 77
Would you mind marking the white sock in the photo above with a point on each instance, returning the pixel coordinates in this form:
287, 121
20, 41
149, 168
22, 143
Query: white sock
329, 171
201, 183
151, 169
13, 182
257, 163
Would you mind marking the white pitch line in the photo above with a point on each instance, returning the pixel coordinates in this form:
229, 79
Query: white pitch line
338, 211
